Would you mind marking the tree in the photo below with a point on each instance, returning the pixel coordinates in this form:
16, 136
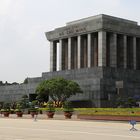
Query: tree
1, 83
42, 92
59, 89
25, 81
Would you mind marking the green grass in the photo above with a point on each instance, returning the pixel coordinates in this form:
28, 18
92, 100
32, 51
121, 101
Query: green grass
109, 111
56, 109
104, 111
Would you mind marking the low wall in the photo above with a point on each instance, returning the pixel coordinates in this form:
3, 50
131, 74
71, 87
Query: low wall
108, 118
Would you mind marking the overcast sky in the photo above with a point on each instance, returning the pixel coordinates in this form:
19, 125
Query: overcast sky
24, 50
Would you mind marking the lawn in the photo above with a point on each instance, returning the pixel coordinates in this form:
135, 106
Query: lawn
109, 111
104, 111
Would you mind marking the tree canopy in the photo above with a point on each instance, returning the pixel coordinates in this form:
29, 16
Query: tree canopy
59, 89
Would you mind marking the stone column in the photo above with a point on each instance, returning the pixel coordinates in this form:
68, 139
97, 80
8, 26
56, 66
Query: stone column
102, 48
60, 54
134, 52
53, 56
89, 50
125, 50
95, 51
113, 50
79, 52
69, 53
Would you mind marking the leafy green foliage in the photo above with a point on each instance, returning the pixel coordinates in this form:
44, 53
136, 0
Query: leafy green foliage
67, 106
6, 106
126, 102
42, 91
18, 106
26, 81
18, 110
59, 89
50, 106
24, 102
33, 109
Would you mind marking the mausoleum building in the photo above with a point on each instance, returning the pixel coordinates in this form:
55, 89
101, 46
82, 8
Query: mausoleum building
101, 53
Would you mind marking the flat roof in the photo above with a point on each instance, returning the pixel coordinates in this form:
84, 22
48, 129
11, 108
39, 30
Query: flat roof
101, 16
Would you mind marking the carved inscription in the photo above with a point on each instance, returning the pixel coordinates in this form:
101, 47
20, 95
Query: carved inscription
72, 30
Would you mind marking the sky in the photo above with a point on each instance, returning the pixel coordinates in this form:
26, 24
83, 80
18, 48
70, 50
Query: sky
24, 49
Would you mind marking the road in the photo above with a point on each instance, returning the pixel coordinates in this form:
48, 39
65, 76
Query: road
28, 129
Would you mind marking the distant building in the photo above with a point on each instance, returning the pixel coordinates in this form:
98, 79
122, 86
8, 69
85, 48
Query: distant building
101, 53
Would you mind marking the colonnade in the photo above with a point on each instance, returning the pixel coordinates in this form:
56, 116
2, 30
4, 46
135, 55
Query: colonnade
105, 49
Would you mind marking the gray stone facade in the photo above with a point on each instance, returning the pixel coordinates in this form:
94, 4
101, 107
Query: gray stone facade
12, 93
98, 52
99, 84
101, 53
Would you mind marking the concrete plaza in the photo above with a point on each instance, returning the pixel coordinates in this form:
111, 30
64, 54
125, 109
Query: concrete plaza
28, 129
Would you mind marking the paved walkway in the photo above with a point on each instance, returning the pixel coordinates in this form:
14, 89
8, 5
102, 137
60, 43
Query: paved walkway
28, 129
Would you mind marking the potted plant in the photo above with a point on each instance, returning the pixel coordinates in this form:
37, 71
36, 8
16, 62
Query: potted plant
6, 110
19, 112
33, 111
50, 109
33, 108
68, 109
